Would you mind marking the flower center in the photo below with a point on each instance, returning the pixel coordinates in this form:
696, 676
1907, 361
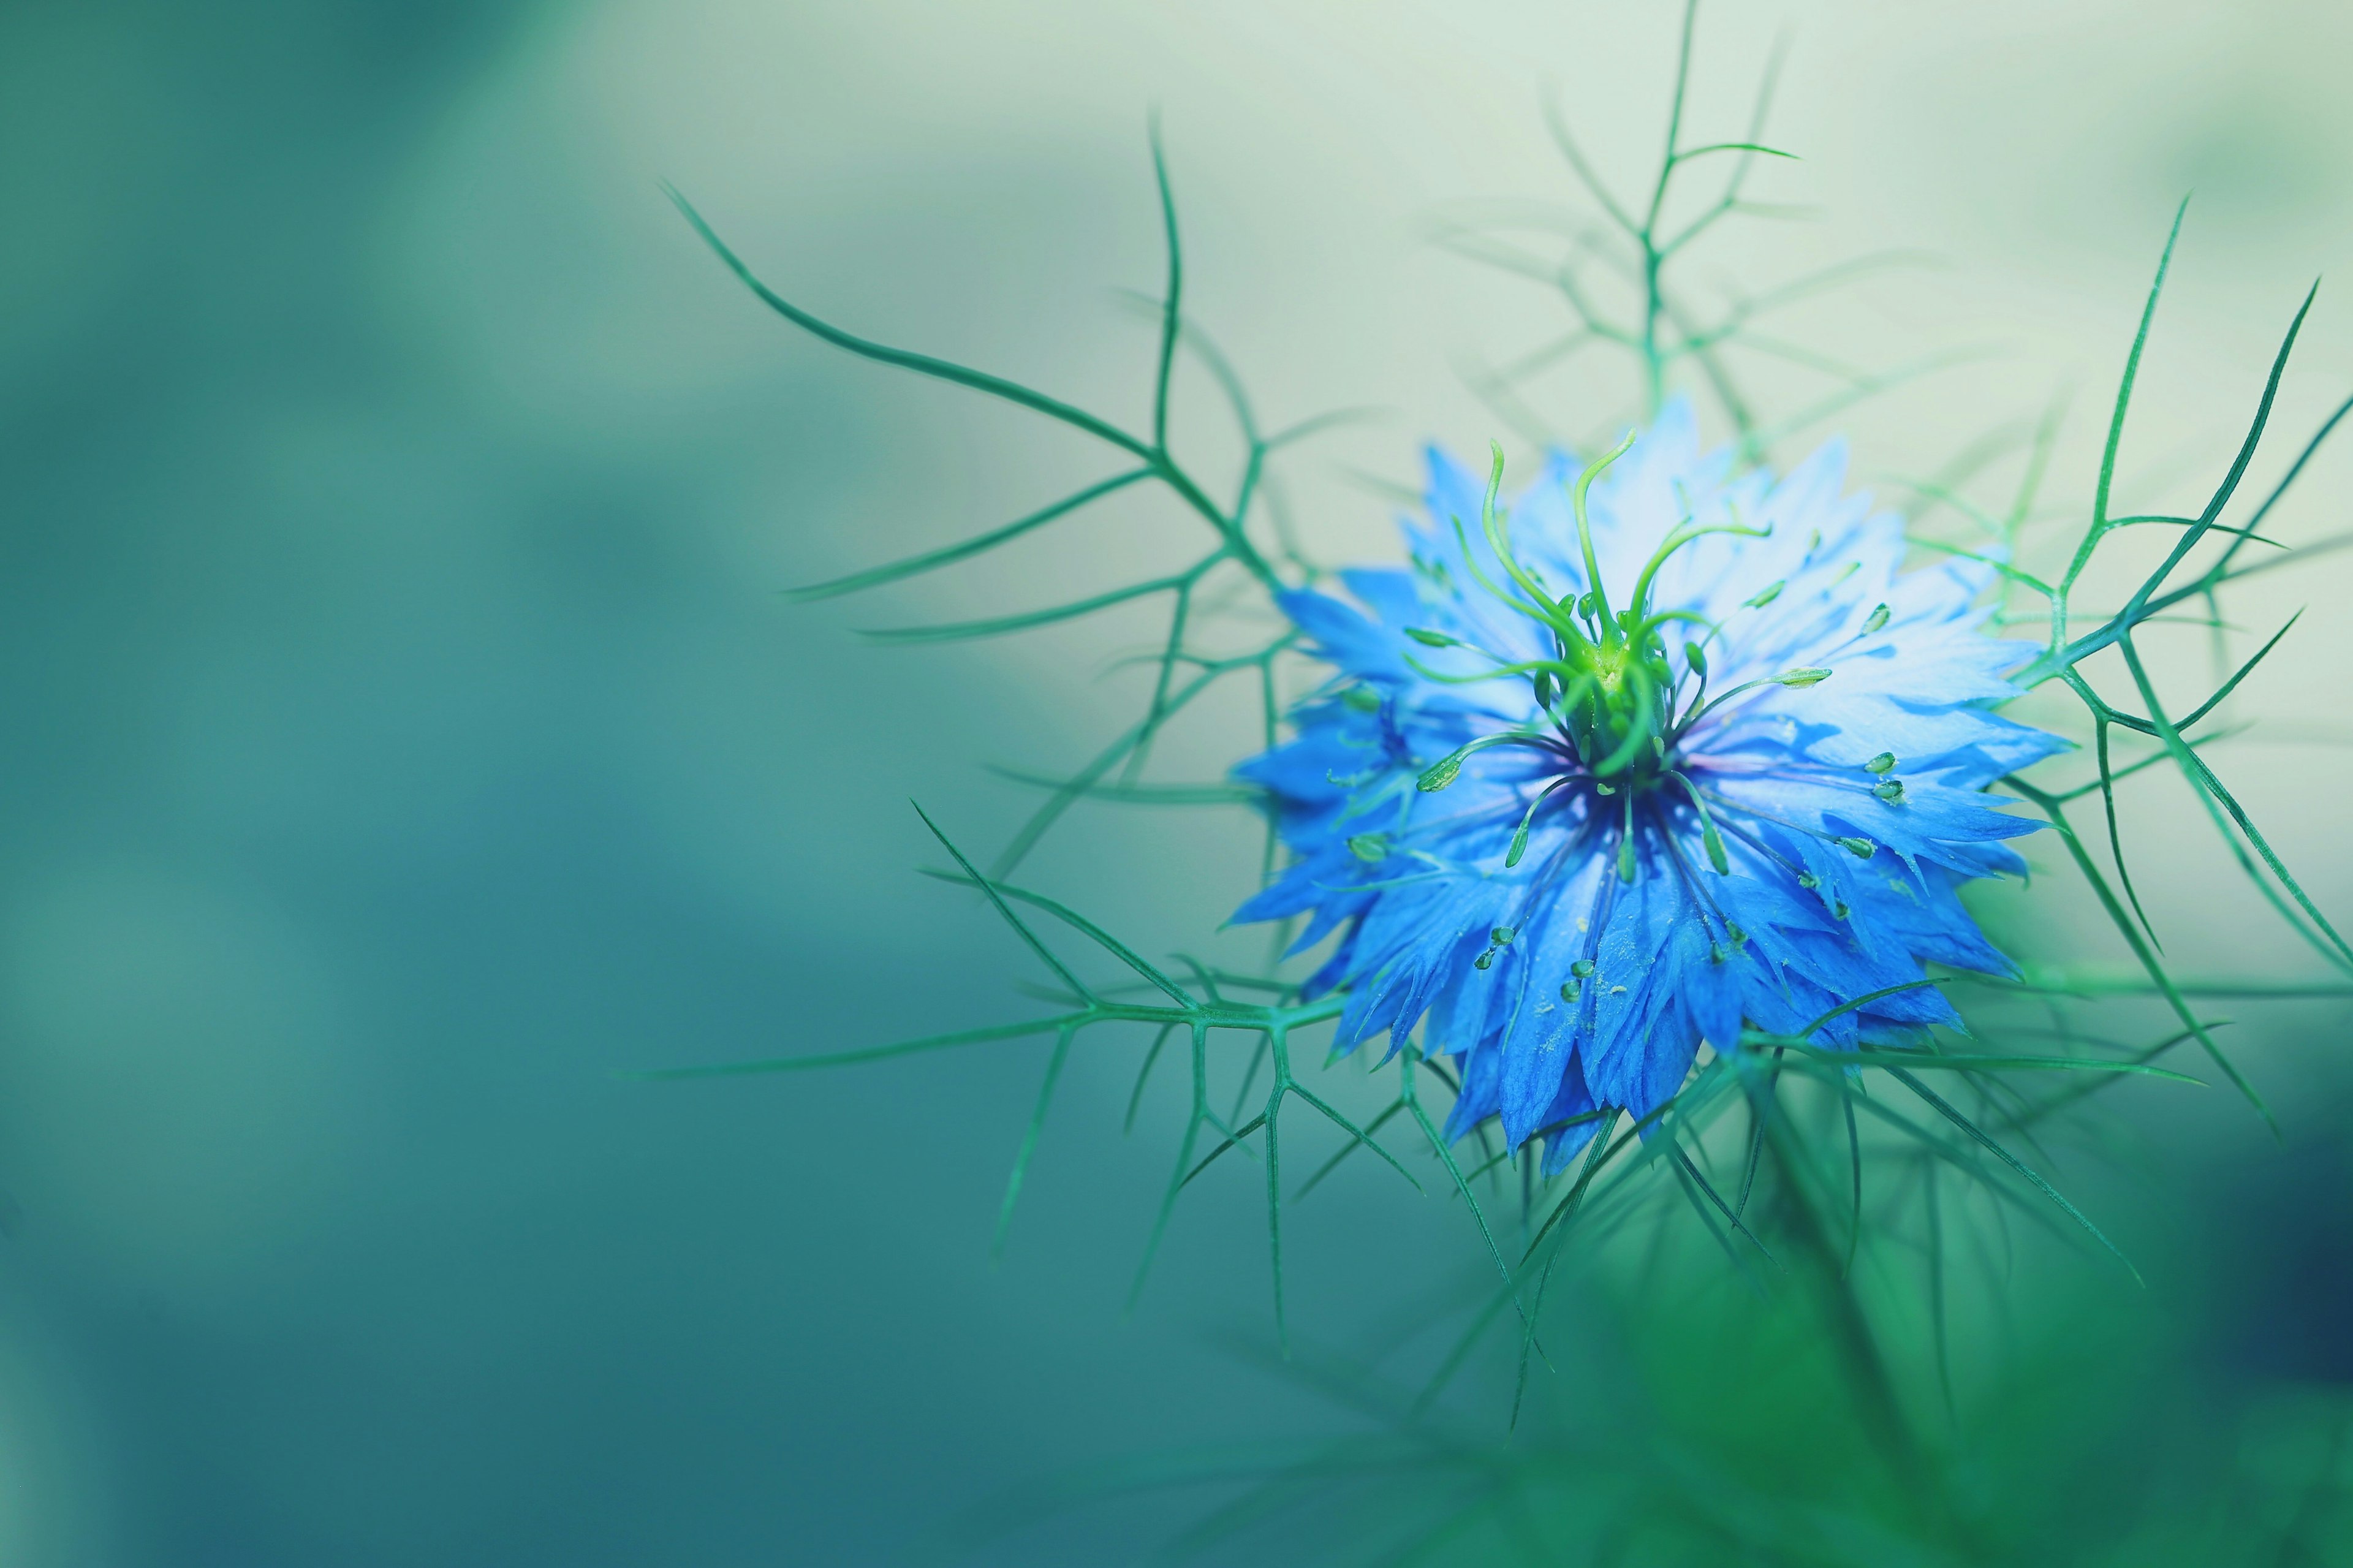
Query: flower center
1610, 705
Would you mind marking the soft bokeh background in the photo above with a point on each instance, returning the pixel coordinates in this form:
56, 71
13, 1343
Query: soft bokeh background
406, 735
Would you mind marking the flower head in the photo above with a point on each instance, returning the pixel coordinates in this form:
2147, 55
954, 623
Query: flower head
1660, 749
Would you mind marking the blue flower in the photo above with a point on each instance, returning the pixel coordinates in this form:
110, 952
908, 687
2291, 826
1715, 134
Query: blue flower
1662, 748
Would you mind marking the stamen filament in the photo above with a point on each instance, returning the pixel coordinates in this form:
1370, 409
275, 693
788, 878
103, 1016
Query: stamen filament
1709, 838
1520, 838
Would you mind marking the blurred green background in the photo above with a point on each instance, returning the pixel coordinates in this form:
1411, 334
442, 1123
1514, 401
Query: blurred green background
406, 735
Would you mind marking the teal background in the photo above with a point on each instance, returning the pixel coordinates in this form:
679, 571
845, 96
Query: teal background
406, 736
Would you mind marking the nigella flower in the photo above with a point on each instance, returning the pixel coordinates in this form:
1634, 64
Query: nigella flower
1662, 749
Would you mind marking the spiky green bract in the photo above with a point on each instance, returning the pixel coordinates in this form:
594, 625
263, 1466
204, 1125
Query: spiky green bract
1614, 270
1249, 531
1676, 854
1169, 1007
2186, 584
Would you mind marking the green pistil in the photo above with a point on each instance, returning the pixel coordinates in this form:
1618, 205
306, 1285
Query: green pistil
1599, 594
1498, 532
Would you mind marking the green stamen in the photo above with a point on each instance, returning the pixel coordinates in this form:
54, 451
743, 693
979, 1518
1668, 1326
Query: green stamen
1710, 839
1444, 770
